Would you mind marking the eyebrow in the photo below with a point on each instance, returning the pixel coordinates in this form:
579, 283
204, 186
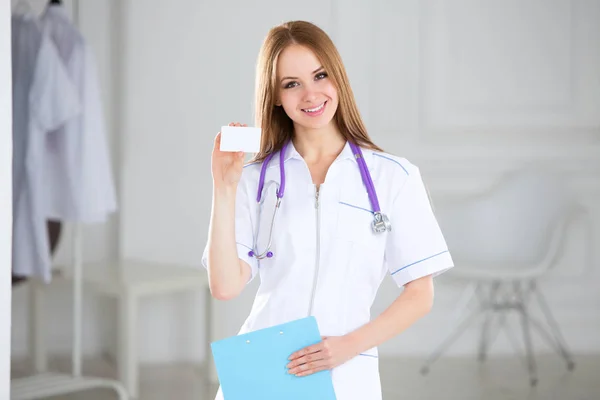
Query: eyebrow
292, 77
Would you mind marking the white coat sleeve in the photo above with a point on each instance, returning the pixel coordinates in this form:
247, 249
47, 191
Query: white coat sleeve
416, 246
98, 196
244, 232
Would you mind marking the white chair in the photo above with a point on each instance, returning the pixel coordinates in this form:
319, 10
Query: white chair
503, 242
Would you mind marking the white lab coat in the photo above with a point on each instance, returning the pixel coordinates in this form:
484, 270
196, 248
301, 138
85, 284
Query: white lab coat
340, 269
80, 185
43, 99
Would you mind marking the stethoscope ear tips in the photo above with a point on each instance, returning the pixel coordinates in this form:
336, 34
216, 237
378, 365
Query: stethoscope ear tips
251, 253
270, 254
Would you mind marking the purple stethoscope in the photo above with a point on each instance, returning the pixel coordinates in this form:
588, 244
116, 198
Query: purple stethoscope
380, 222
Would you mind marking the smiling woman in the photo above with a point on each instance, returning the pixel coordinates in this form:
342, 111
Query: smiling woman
312, 215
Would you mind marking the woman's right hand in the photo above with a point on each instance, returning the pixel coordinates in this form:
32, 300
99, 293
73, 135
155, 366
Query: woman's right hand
227, 273
226, 165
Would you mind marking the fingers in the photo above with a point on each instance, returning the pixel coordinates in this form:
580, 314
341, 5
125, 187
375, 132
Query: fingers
310, 368
311, 359
238, 158
320, 355
307, 350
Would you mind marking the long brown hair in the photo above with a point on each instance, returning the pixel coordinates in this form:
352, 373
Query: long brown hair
277, 127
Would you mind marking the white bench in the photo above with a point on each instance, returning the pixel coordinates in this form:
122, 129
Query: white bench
128, 281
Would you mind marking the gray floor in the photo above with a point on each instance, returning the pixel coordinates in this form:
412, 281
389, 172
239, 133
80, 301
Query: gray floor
449, 379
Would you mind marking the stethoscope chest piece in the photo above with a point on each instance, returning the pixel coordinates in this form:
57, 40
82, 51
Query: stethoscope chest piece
381, 223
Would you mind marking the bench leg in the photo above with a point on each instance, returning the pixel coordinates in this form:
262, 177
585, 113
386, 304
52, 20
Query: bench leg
37, 327
128, 355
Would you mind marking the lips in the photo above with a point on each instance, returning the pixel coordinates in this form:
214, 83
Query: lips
315, 111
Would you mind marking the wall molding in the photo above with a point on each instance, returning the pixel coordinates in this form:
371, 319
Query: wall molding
545, 94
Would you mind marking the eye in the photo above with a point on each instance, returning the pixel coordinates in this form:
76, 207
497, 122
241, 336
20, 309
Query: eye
321, 75
290, 85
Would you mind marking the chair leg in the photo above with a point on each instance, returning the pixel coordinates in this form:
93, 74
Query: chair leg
544, 333
533, 379
556, 333
460, 327
502, 300
484, 340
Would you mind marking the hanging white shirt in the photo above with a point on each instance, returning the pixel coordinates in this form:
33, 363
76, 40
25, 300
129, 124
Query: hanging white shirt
43, 99
327, 261
80, 185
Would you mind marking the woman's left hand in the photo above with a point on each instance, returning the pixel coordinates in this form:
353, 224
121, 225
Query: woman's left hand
329, 353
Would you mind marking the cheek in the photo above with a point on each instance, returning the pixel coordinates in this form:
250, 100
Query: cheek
331, 92
289, 101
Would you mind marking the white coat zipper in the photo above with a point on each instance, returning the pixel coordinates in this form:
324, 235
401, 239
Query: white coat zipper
315, 278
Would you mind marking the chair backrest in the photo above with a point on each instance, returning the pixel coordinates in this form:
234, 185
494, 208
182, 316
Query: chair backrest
514, 225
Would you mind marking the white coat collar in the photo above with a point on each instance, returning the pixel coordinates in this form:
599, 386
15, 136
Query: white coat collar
345, 154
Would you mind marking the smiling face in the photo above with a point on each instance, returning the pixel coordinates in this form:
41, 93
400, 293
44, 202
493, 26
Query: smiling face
304, 89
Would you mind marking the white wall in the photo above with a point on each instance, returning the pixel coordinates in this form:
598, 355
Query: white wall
431, 88
464, 94
5, 196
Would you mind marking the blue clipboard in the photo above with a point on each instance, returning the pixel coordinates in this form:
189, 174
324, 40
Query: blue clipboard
252, 366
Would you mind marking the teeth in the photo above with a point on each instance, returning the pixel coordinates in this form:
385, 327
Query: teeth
314, 109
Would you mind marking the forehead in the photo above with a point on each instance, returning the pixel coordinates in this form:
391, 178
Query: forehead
296, 60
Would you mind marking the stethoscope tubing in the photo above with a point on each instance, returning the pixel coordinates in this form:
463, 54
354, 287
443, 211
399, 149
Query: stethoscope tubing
364, 173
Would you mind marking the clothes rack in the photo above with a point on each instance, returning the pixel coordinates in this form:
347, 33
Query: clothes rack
43, 384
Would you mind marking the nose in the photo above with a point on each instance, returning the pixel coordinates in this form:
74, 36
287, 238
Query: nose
310, 94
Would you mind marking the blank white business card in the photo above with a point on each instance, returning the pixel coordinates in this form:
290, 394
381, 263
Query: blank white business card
240, 138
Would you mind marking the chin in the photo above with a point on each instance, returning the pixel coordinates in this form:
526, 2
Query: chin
315, 125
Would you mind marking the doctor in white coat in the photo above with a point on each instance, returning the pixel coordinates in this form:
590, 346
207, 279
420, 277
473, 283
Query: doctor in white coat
349, 214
